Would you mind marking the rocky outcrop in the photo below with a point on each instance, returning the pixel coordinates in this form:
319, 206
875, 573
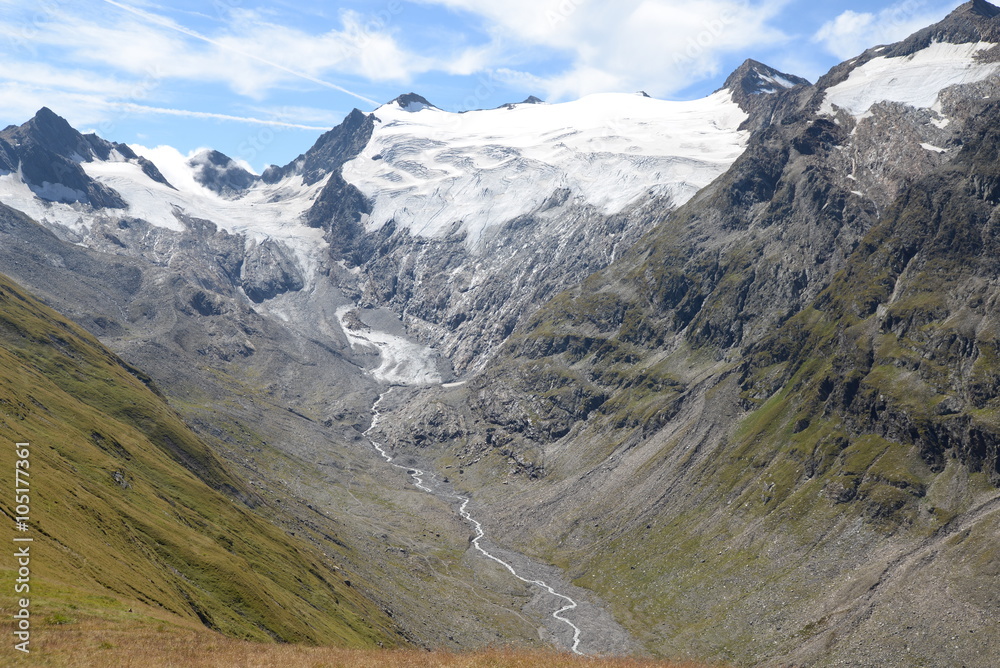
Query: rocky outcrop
268, 271
48, 151
754, 85
221, 174
329, 153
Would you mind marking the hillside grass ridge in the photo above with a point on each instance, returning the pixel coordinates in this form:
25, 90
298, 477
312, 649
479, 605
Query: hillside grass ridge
126, 644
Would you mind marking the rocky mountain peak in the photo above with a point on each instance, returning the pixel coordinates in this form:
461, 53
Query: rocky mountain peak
52, 132
220, 173
412, 102
48, 151
531, 99
753, 82
330, 151
46, 116
972, 22
980, 7
756, 78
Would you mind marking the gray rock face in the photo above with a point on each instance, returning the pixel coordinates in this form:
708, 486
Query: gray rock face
467, 301
48, 151
268, 271
753, 82
221, 174
329, 152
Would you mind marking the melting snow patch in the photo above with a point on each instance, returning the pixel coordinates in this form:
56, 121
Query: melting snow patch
941, 123
15, 193
403, 362
777, 80
56, 192
932, 147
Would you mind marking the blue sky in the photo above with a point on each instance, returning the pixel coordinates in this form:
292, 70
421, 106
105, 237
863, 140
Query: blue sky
261, 80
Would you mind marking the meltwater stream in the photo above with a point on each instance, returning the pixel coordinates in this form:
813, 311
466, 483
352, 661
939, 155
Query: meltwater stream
418, 481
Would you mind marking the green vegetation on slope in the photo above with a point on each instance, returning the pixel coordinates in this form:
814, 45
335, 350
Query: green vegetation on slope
775, 419
130, 508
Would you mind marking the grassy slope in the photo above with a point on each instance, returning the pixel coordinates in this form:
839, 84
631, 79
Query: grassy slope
130, 644
316, 480
123, 507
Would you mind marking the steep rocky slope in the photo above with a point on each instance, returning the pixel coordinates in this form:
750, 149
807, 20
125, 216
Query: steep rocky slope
130, 509
763, 432
473, 220
285, 409
766, 434
272, 336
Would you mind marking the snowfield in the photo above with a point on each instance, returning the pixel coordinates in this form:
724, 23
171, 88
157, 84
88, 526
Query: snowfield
916, 80
436, 172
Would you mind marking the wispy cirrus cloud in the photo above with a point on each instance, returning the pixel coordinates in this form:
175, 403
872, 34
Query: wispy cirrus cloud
238, 47
249, 55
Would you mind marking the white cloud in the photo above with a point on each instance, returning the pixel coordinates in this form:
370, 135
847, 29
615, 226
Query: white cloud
252, 56
657, 45
88, 99
851, 33
19, 101
126, 61
660, 46
249, 54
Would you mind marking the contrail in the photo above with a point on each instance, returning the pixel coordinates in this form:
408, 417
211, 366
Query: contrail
191, 33
207, 114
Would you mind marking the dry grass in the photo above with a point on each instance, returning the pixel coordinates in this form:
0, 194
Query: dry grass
86, 645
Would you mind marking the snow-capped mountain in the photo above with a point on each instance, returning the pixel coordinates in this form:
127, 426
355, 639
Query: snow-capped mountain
916, 79
754, 78
964, 48
462, 223
734, 359
459, 223
436, 173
